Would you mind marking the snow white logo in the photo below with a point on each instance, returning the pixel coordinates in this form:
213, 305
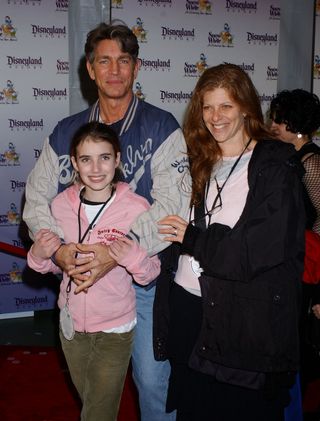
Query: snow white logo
9, 95
201, 64
13, 215
117, 4
205, 6
222, 39
10, 156
15, 273
316, 67
139, 93
195, 69
139, 31
7, 31
225, 35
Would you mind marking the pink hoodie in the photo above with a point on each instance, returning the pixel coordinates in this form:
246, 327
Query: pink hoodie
110, 302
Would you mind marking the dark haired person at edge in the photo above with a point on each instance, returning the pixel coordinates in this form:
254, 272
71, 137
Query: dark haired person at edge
97, 328
231, 332
153, 155
295, 117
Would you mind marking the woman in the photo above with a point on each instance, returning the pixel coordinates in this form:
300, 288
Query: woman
97, 327
295, 117
233, 322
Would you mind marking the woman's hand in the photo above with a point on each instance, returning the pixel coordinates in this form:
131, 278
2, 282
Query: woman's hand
316, 310
174, 226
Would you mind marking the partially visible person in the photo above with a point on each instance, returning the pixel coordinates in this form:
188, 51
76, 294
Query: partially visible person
232, 324
295, 117
97, 327
154, 163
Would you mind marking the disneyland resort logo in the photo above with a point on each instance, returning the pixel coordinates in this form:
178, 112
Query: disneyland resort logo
175, 96
14, 275
316, 67
157, 64
48, 31
8, 94
158, 3
139, 31
265, 98
11, 217
222, 39
197, 7
247, 67
49, 94
14, 62
241, 6
253, 38
17, 185
62, 67
24, 125
274, 12
10, 158
272, 73
36, 153
7, 30
196, 69
31, 302
174, 33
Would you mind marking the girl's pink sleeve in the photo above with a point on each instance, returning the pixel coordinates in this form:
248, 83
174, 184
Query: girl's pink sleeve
41, 265
143, 268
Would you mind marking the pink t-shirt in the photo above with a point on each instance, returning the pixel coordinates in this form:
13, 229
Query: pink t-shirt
233, 197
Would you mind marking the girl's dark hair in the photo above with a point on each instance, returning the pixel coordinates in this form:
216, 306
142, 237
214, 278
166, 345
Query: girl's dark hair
97, 132
298, 109
121, 33
203, 151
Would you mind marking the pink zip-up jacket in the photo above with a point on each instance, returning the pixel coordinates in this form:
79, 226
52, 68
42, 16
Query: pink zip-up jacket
110, 302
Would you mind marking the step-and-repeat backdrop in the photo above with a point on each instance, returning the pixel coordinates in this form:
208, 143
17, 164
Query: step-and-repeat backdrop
34, 72
178, 40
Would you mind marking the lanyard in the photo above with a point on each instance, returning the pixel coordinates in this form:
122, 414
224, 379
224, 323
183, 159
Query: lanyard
81, 238
206, 212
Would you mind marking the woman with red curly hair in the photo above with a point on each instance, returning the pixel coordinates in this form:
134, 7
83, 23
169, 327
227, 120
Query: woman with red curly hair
231, 326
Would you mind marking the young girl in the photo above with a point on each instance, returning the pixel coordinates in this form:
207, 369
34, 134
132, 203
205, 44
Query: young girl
97, 326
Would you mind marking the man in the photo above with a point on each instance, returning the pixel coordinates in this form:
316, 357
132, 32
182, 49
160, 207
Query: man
154, 162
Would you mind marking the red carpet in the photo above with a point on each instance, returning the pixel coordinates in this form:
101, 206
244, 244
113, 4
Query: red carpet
311, 402
35, 386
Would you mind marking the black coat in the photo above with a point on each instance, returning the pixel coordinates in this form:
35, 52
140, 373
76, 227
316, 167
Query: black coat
252, 273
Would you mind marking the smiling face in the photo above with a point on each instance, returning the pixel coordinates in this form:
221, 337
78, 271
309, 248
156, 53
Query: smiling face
113, 70
96, 163
223, 118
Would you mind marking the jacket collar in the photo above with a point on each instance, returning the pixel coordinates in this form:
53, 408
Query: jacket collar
127, 119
